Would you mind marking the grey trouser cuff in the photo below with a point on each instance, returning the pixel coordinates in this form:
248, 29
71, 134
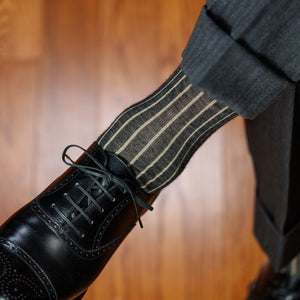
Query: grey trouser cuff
279, 247
228, 72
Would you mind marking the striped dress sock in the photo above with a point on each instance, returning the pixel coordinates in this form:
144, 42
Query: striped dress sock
157, 136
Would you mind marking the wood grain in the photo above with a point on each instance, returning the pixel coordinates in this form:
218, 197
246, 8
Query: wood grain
21, 29
67, 69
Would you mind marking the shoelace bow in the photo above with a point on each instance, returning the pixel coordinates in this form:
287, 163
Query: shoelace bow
96, 173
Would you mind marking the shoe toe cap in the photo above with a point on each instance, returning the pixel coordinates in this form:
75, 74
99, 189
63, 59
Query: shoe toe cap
18, 280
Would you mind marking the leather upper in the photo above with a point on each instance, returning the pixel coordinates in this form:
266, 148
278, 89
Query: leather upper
58, 258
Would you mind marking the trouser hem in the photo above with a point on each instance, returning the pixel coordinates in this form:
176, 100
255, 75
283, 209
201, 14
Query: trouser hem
280, 248
227, 71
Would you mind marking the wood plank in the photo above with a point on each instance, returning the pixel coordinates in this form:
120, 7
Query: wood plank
67, 106
21, 29
19, 86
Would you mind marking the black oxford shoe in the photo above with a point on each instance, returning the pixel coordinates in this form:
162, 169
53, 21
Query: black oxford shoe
270, 285
56, 246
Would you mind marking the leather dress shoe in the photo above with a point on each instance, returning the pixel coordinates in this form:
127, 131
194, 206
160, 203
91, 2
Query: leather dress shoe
270, 285
56, 245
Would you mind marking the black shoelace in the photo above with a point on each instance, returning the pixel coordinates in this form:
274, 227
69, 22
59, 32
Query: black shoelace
102, 179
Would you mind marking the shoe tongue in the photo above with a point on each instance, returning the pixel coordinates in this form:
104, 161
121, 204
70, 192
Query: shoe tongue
111, 162
117, 166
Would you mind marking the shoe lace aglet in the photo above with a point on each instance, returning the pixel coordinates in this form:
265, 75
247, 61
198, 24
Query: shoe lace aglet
140, 222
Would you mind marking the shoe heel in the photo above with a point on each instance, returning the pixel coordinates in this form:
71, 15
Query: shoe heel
80, 296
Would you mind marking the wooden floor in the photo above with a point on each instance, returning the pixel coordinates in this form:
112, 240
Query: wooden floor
67, 69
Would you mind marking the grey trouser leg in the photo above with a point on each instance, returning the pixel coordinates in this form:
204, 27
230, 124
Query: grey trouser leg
273, 139
246, 54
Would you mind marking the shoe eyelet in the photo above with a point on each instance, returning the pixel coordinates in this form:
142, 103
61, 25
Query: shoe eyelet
82, 235
104, 183
113, 199
91, 222
77, 184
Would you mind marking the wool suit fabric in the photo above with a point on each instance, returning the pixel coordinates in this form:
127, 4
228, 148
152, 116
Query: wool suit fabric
246, 54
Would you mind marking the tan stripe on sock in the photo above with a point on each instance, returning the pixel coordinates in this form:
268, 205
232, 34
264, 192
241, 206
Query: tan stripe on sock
171, 143
293, 267
151, 141
151, 119
142, 103
137, 114
164, 170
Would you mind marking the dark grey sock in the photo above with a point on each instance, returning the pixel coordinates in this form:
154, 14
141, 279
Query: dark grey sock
158, 136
